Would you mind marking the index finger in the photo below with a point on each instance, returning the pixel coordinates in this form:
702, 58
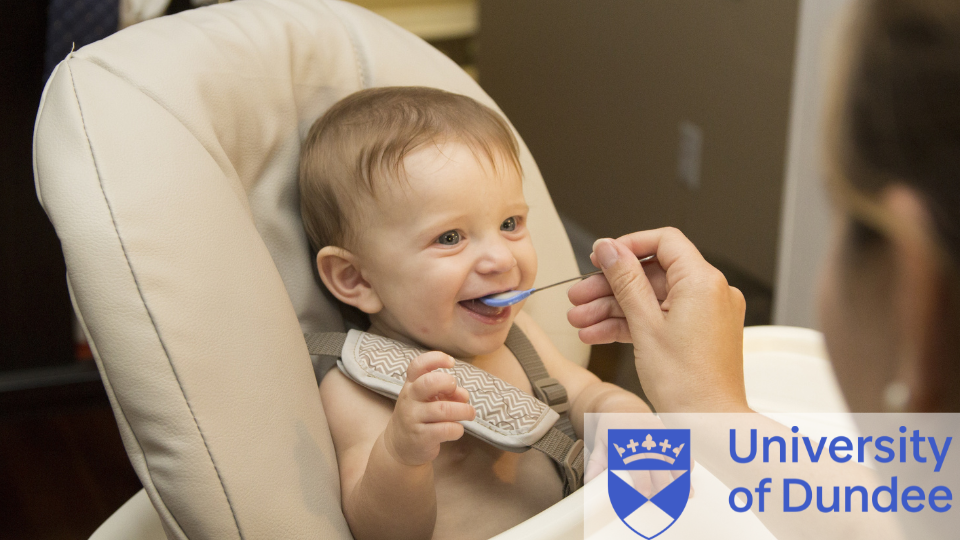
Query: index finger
675, 252
589, 290
428, 362
597, 286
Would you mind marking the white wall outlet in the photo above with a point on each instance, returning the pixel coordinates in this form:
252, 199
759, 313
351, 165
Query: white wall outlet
690, 154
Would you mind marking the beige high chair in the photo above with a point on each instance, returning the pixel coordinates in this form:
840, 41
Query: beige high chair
166, 157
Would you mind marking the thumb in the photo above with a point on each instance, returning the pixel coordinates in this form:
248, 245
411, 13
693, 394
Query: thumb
628, 282
596, 464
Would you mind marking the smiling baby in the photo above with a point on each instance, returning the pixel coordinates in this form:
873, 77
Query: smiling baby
413, 198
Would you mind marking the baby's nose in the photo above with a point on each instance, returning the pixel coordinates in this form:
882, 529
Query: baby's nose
497, 259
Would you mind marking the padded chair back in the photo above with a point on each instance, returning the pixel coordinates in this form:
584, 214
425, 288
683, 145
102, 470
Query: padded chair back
166, 157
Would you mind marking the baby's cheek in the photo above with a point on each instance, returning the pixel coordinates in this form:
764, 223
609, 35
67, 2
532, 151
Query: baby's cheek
529, 268
430, 320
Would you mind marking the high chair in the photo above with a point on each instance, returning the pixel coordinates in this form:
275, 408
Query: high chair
166, 157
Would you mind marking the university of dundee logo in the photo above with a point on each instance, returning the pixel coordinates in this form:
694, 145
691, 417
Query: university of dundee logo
639, 459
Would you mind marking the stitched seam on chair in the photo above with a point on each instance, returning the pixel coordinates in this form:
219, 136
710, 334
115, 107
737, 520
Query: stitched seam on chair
111, 393
362, 77
146, 308
153, 486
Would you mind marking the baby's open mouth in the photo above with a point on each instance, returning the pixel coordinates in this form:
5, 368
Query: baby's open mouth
480, 308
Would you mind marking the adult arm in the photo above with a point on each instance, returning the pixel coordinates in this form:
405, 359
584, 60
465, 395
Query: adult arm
686, 325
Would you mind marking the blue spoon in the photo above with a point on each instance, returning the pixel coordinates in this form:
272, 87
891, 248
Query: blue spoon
510, 298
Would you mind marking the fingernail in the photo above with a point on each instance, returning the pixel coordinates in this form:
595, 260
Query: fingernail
606, 253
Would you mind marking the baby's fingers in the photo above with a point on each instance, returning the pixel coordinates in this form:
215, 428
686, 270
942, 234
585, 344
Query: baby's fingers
596, 464
459, 394
446, 411
432, 385
428, 362
443, 431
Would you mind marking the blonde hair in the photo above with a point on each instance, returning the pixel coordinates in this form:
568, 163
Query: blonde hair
363, 139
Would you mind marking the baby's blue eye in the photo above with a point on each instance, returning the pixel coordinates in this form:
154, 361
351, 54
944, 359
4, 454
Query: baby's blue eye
509, 224
449, 238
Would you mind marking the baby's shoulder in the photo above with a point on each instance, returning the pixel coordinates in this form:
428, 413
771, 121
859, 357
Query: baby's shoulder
340, 393
353, 412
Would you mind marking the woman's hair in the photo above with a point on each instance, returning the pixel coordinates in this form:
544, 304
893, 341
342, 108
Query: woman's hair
363, 139
899, 114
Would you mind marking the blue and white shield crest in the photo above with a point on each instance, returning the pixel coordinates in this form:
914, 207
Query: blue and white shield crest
664, 452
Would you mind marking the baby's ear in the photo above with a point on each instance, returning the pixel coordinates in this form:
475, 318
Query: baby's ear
340, 272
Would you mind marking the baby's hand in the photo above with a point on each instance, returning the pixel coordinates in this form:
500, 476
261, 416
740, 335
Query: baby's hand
427, 411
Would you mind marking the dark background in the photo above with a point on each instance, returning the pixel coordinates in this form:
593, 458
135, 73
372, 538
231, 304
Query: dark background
35, 324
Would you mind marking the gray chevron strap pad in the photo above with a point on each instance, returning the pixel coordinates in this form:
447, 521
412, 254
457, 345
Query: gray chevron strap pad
507, 417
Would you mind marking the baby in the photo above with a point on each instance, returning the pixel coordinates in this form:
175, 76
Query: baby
414, 198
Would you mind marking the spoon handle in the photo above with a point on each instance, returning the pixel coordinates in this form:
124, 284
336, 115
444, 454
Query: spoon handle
648, 258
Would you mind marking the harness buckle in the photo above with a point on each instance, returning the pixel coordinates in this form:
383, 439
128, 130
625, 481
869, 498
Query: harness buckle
551, 392
573, 468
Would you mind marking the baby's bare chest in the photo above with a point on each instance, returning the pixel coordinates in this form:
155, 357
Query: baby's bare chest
482, 491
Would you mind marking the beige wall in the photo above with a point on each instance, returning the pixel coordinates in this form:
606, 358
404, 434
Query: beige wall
598, 90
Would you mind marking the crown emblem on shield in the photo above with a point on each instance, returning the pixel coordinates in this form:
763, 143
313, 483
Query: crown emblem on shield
650, 449
640, 458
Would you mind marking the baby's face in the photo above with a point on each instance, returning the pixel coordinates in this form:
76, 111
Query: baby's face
454, 232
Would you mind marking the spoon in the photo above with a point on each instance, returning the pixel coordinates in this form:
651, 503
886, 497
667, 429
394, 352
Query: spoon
509, 298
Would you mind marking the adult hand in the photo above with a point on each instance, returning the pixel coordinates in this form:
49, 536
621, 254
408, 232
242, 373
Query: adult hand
647, 482
683, 318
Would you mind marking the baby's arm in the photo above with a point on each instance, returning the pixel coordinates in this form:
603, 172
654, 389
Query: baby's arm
386, 469
585, 391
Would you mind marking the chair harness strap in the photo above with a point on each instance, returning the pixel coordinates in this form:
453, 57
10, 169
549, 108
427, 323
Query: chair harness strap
328, 346
326, 343
567, 455
545, 388
560, 443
